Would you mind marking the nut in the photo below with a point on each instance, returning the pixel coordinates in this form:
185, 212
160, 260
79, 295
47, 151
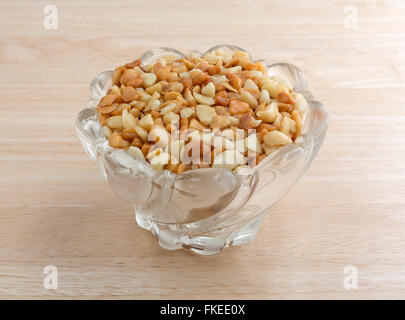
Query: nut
250, 84
277, 91
213, 70
107, 109
238, 107
157, 87
234, 121
116, 90
171, 117
248, 98
235, 81
220, 122
256, 122
282, 80
116, 141
120, 108
107, 100
226, 56
172, 95
136, 142
158, 162
159, 122
115, 122
176, 86
261, 68
135, 112
222, 111
187, 82
148, 79
209, 90
235, 69
212, 58
188, 96
203, 99
200, 78
276, 138
188, 64
159, 136
229, 87
129, 94
220, 79
136, 152
285, 107
228, 159
241, 54
133, 64
301, 104
128, 76
277, 121
254, 93
247, 64
107, 131
155, 115
205, 114
285, 97
264, 96
269, 113
246, 121
128, 120
145, 149
136, 83
129, 134
221, 98
195, 151
168, 108
103, 119
142, 133
203, 66
162, 72
153, 152
146, 122
196, 125
287, 125
227, 144
229, 134
252, 143
266, 126
187, 112
298, 123
175, 149
117, 75
183, 124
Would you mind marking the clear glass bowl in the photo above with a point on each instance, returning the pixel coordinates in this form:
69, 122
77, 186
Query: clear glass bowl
203, 210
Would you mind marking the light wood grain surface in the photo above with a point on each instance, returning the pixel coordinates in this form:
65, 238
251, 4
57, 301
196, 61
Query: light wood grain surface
349, 208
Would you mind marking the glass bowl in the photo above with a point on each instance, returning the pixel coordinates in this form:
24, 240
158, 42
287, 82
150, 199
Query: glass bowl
204, 210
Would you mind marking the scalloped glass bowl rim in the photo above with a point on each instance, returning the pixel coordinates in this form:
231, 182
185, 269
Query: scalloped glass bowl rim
303, 141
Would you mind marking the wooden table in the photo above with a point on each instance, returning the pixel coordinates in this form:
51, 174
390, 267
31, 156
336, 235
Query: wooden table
348, 210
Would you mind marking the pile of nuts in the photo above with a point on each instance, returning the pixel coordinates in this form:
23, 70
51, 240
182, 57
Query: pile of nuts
217, 110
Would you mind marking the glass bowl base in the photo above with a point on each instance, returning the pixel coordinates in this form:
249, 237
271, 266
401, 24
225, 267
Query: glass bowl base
175, 237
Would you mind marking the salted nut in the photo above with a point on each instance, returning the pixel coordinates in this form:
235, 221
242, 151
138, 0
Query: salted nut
219, 110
